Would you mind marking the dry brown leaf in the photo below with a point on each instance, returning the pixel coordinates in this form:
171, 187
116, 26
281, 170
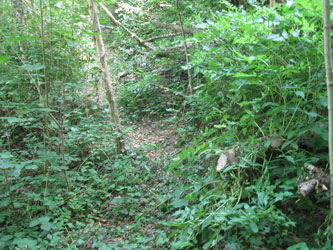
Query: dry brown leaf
225, 159
276, 141
222, 162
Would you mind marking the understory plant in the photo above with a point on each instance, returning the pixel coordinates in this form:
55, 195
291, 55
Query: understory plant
264, 80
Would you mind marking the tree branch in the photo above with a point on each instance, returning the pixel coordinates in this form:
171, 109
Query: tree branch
161, 37
175, 27
116, 22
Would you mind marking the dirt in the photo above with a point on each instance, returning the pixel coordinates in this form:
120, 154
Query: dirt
157, 139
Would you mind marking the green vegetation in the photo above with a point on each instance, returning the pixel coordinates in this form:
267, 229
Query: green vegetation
223, 168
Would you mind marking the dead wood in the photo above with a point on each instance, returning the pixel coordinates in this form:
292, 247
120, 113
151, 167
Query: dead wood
308, 187
122, 74
166, 52
144, 43
318, 181
161, 37
132, 34
175, 27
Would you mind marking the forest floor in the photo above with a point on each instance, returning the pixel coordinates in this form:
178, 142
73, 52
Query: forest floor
156, 138
139, 221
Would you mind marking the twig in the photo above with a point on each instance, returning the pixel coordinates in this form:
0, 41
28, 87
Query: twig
161, 37
61, 132
166, 51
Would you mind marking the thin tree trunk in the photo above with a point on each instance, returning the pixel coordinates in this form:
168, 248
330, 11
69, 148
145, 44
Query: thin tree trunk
109, 89
271, 3
186, 50
329, 77
47, 100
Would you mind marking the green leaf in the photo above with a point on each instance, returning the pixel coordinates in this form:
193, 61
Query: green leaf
179, 203
254, 227
207, 222
13, 120
45, 224
300, 245
34, 223
290, 159
161, 239
256, 240
5, 164
312, 114
25, 243
300, 93
32, 167
4, 58
274, 37
33, 67
6, 238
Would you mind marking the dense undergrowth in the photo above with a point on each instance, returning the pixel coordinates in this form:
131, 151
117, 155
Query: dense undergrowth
258, 75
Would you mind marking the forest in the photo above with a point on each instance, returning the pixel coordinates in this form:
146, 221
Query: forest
166, 124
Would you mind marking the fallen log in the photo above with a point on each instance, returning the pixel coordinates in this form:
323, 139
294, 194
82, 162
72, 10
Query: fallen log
175, 27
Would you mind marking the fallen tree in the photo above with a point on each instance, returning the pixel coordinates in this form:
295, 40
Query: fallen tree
145, 42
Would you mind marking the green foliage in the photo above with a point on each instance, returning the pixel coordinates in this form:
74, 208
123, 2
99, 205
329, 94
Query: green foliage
258, 75
263, 76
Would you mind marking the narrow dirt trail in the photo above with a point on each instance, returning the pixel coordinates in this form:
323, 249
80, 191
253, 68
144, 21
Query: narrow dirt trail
140, 217
157, 139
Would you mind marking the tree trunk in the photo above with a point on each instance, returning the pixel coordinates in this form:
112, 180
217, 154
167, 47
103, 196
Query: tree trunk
109, 89
329, 77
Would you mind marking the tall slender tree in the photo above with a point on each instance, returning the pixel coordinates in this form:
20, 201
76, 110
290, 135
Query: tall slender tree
329, 78
109, 88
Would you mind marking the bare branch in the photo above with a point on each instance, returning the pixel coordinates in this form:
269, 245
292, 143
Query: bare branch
167, 51
161, 37
175, 27
116, 22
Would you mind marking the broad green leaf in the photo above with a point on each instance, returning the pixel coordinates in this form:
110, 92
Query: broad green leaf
4, 58
6, 164
33, 67
6, 238
256, 240
32, 167
45, 223
312, 114
254, 227
290, 159
25, 243
12, 120
34, 222
300, 93
300, 245
179, 203
206, 222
